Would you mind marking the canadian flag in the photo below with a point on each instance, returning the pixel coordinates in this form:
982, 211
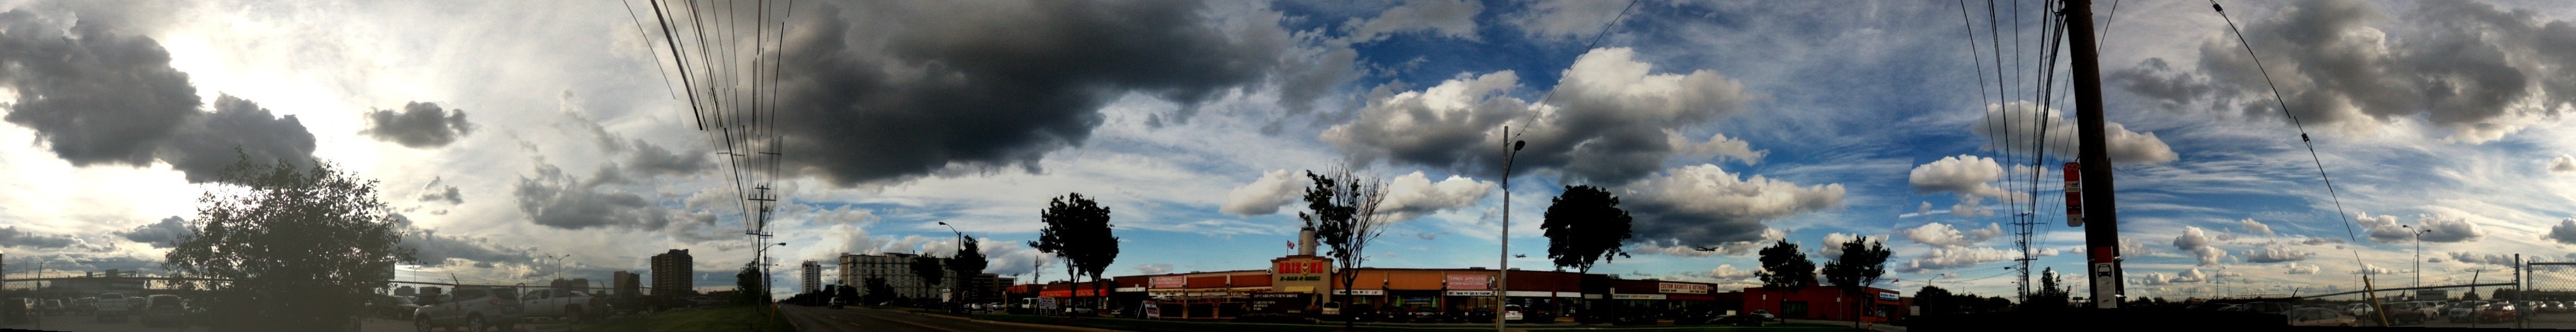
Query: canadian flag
1292, 245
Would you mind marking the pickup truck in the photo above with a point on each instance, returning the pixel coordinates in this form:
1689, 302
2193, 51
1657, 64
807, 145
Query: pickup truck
113, 307
565, 304
472, 308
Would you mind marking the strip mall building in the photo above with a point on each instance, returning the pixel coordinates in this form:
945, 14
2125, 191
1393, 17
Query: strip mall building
1298, 284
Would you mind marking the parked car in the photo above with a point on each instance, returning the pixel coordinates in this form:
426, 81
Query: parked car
1538, 316
475, 309
1512, 313
565, 304
113, 307
1739, 320
17, 311
2319, 317
1766, 314
2267, 307
1480, 315
84, 306
2406, 312
1332, 310
395, 307
2360, 310
53, 307
2460, 312
2497, 313
164, 310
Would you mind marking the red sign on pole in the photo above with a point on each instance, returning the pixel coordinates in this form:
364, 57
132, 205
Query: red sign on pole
2074, 197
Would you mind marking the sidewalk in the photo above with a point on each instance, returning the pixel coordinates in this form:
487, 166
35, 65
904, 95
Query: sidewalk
1845, 323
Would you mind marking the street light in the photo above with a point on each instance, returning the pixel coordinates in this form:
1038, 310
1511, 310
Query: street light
2419, 254
961, 250
1503, 282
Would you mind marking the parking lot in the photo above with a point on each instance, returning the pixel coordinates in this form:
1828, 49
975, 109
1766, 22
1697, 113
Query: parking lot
372, 324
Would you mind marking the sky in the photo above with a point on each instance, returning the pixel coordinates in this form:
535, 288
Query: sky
525, 140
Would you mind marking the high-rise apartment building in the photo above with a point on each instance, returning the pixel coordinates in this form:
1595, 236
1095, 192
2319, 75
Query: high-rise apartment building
896, 269
672, 275
813, 277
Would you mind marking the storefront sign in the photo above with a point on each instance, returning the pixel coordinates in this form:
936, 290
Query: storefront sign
1170, 282
1164, 294
1470, 281
1129, 289
1680, 288
1887, 296
1153, 311
1298, 267
1637, 296
1276, 303
1363, 292
1046, 303
1470, 293
1520, 293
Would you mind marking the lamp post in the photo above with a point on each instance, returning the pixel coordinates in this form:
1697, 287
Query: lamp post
2419, 254
961, 250
1503, 281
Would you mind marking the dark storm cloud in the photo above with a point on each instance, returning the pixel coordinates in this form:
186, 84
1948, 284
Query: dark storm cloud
237, 129
2475, 69
888, 90
418, 125
653, 160
451, 196
437, 250
559, 200
12, 237
93, 95
164, 234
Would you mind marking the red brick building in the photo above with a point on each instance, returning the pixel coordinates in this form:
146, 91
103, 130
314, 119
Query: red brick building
1828, 303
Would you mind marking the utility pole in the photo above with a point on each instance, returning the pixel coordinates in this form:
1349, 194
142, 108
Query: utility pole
2520, 294
1503, 275
2102, 221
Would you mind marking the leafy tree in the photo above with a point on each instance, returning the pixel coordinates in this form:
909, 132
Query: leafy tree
1077, 230
2469, 296
1785, 267
302, 246
1936, 301
747, 285
878, 292
2052, 294
1862, 262
1584, 225
929, 270
1343, 211
969, 260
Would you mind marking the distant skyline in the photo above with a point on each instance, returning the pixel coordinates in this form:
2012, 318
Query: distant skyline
512, 134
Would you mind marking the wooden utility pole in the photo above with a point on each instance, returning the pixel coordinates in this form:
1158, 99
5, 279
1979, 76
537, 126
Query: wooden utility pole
2101, 219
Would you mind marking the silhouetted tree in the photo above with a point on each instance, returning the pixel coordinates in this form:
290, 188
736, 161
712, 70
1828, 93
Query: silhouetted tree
747, 285
929, 270
1078, 230
302, 246
1342, 208
2052, 295
1862, 262
1936, 301
969, 261
1585, 225
878, 292
1785, 267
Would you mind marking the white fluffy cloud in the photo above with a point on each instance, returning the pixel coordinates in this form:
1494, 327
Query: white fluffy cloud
2275, 254
1611, 112
2295, 268
1674, 247
2489, 259
1725, 271
2254, 227
2440, 228
1705, 205
1266, 194
1716, 146
2021, 120
2564, 164
1943, 235
1962, 174
1413, 195
1156, 268
2195, 241
1949, 258
2564, 232
1447, 18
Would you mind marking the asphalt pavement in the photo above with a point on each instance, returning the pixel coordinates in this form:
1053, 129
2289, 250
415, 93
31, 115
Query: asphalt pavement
821, 319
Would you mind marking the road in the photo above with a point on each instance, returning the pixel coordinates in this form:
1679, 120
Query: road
820, 319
